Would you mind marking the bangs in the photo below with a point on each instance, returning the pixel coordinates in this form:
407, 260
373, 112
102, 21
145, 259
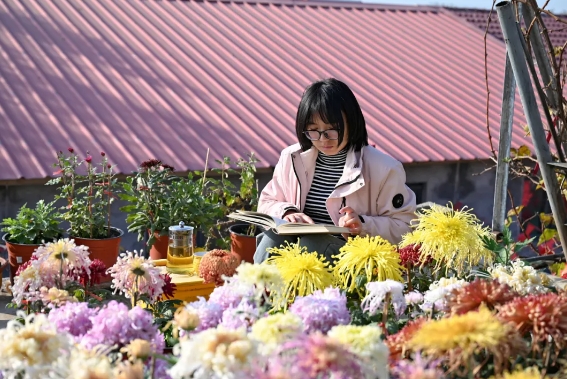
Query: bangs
329, 109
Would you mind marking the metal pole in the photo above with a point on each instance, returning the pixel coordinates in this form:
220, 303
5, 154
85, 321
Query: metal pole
504, 144
512, 36
541, 57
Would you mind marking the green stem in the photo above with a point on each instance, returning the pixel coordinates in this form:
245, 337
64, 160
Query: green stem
135, 292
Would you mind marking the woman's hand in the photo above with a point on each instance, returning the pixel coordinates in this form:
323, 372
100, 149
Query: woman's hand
350, 220
295, 216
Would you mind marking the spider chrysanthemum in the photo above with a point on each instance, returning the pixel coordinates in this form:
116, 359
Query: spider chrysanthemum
303, 272
372, 257
451, 237
480, 291
460, 337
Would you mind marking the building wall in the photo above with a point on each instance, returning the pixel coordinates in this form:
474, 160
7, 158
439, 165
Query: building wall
460, 183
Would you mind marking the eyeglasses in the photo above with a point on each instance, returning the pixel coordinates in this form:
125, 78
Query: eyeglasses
315, 135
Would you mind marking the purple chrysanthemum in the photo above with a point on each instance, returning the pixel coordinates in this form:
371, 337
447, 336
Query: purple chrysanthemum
210, 314
73, 318
230, 294
418, 368
115, 324
321, 311
243, 315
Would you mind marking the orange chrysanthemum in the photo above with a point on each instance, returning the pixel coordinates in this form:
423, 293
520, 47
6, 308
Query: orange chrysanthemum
481, 291
397, 343
542, 316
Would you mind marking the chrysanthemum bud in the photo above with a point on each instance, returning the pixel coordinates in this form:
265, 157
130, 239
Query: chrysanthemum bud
186, 318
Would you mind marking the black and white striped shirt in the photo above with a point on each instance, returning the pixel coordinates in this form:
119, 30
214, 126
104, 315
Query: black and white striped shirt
328, 171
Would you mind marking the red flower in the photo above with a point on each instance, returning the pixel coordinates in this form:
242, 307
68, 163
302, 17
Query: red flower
102, 153
71, 150
411, 255
168, 288
98, 269
88, 159
541, 316
397, 343
480, 291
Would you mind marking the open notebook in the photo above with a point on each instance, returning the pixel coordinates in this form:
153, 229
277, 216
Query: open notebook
283, 227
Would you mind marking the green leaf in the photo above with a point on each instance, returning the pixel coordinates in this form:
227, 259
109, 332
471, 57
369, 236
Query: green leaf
547, 235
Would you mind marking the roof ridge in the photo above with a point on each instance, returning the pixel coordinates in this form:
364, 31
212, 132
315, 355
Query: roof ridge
327, 3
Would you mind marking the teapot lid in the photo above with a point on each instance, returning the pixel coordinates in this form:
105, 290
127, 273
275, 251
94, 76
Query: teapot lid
181, 227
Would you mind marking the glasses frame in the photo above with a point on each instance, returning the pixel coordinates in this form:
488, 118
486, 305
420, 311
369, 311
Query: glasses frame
324, 132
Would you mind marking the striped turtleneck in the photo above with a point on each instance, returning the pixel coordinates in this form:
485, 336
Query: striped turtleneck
328, 171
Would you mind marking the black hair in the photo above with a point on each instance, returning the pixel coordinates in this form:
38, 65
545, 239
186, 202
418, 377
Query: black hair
330, 99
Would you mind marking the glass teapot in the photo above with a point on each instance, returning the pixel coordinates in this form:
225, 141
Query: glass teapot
180, 249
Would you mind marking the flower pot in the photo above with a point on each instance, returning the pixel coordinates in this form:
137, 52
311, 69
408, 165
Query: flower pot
18, 254
105, 249
242, 244
159, 248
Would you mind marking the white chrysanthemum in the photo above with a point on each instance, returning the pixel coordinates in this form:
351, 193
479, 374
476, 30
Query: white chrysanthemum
64, 255
523, 278
27, 284
366, 342
214, 354
263, 277
89, 364
376, 293
133, 273
436, 297
33, 349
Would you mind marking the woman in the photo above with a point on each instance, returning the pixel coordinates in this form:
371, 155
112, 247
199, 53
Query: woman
332, 176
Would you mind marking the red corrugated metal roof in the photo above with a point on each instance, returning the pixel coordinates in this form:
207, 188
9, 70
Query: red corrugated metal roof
479, 17
167, 79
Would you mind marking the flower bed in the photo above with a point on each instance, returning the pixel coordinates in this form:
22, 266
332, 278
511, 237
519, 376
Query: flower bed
448, 302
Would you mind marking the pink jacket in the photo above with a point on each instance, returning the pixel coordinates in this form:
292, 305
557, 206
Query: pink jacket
373, 184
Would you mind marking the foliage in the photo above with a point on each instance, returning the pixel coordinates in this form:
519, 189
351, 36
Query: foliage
157, 199
33, 225
505, 247
88, 196
219, 189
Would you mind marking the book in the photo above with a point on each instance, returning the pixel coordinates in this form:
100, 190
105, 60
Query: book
283, 227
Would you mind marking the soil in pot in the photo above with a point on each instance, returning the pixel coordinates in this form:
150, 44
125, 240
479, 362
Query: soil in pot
242, 244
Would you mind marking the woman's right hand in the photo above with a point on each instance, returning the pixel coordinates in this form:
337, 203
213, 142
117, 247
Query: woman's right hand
295, 216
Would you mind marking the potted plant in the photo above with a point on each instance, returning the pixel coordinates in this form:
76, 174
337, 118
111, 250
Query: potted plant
230, 197
157, 199
26, 232
88, 190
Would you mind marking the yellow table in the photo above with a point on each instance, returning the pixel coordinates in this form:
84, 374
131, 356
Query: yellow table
188, 286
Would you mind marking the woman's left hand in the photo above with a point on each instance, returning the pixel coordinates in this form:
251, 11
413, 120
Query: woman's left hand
350, 220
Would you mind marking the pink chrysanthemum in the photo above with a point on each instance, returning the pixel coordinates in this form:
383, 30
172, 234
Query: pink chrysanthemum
316, 356
134, 275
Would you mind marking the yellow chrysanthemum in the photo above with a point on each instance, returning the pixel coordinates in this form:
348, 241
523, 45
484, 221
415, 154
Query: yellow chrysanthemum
303, 272
274, 329
373, 257
528, 373
466, 333
451, 237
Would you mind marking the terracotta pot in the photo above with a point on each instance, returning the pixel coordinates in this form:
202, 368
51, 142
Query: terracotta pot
159, 248
18, 254
242, 244
106, 249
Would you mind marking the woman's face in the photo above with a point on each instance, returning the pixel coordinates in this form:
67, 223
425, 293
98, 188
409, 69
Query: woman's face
323, 144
